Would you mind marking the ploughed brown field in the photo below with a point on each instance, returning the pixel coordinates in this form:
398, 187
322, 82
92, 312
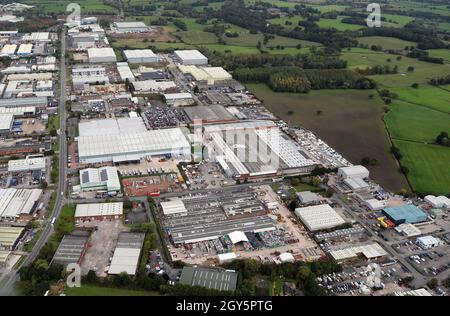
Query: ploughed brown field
349, 121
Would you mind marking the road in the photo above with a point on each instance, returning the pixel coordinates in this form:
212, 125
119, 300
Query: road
419, 279
8, 287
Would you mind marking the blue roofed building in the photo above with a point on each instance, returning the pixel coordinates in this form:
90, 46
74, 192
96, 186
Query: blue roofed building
407, 213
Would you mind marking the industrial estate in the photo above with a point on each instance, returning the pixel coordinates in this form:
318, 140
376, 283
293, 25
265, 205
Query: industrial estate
160, 171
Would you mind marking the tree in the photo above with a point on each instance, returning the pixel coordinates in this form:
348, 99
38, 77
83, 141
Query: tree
415, 85
319, 112
404, 170
303, 273
92, 277
410, 68
443, 139
433, 283
290, 112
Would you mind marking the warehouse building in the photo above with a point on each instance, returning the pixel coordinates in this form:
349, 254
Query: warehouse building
9, 237
369, 252
4, 257
71, 249
418, 292
255, 149
208, 75
152, 86
174, 206
6, 122
438, 201
17, 203
38, 102
179, 99
358, 171
356, 184
25, 50
191, 57
102, 55
308, 197
220, 280
125, 72
211, 114
406, 213
98, 211
30, 163
127, 139
140, 56
101, 179
319, 217
127, 253
409, 230
428, 242
9, 50
130, 27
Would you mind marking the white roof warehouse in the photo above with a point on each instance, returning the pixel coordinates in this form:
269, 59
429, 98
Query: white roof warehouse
121, 142
99, 210
319, 217
16, 202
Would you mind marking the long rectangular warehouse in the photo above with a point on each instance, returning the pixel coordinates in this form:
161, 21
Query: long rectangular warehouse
319, 217
16, 202
132, 146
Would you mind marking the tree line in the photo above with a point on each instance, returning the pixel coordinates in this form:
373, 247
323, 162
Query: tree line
295, 79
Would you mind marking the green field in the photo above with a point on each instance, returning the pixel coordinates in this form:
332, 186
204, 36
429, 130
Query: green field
338, 25
59, 6
360, 132
407, 121
91, 290
197, 37
423, 71
427, 96
440, 53
428, 166
385, 42
414, 121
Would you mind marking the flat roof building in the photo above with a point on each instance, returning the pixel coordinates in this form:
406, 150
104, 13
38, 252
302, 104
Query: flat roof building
17, 202
9, 50
406, 213
428, 242
102, 55
100, 179
71, 249
369, 251
358, 171
98, 211
131, 27
140, 56
438, 201
179, 99
127, 253
152, 86
319, 217
308, 197
6, 122
9, 237
221, 280
174, 206
125, 72
28, 164
191, 57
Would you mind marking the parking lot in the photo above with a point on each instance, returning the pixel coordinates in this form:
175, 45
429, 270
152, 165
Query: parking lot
206, 175
101, 245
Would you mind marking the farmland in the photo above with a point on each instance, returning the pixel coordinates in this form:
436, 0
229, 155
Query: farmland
422, 73
360, 131
87, 6
428, 166
385, 42
90, 290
